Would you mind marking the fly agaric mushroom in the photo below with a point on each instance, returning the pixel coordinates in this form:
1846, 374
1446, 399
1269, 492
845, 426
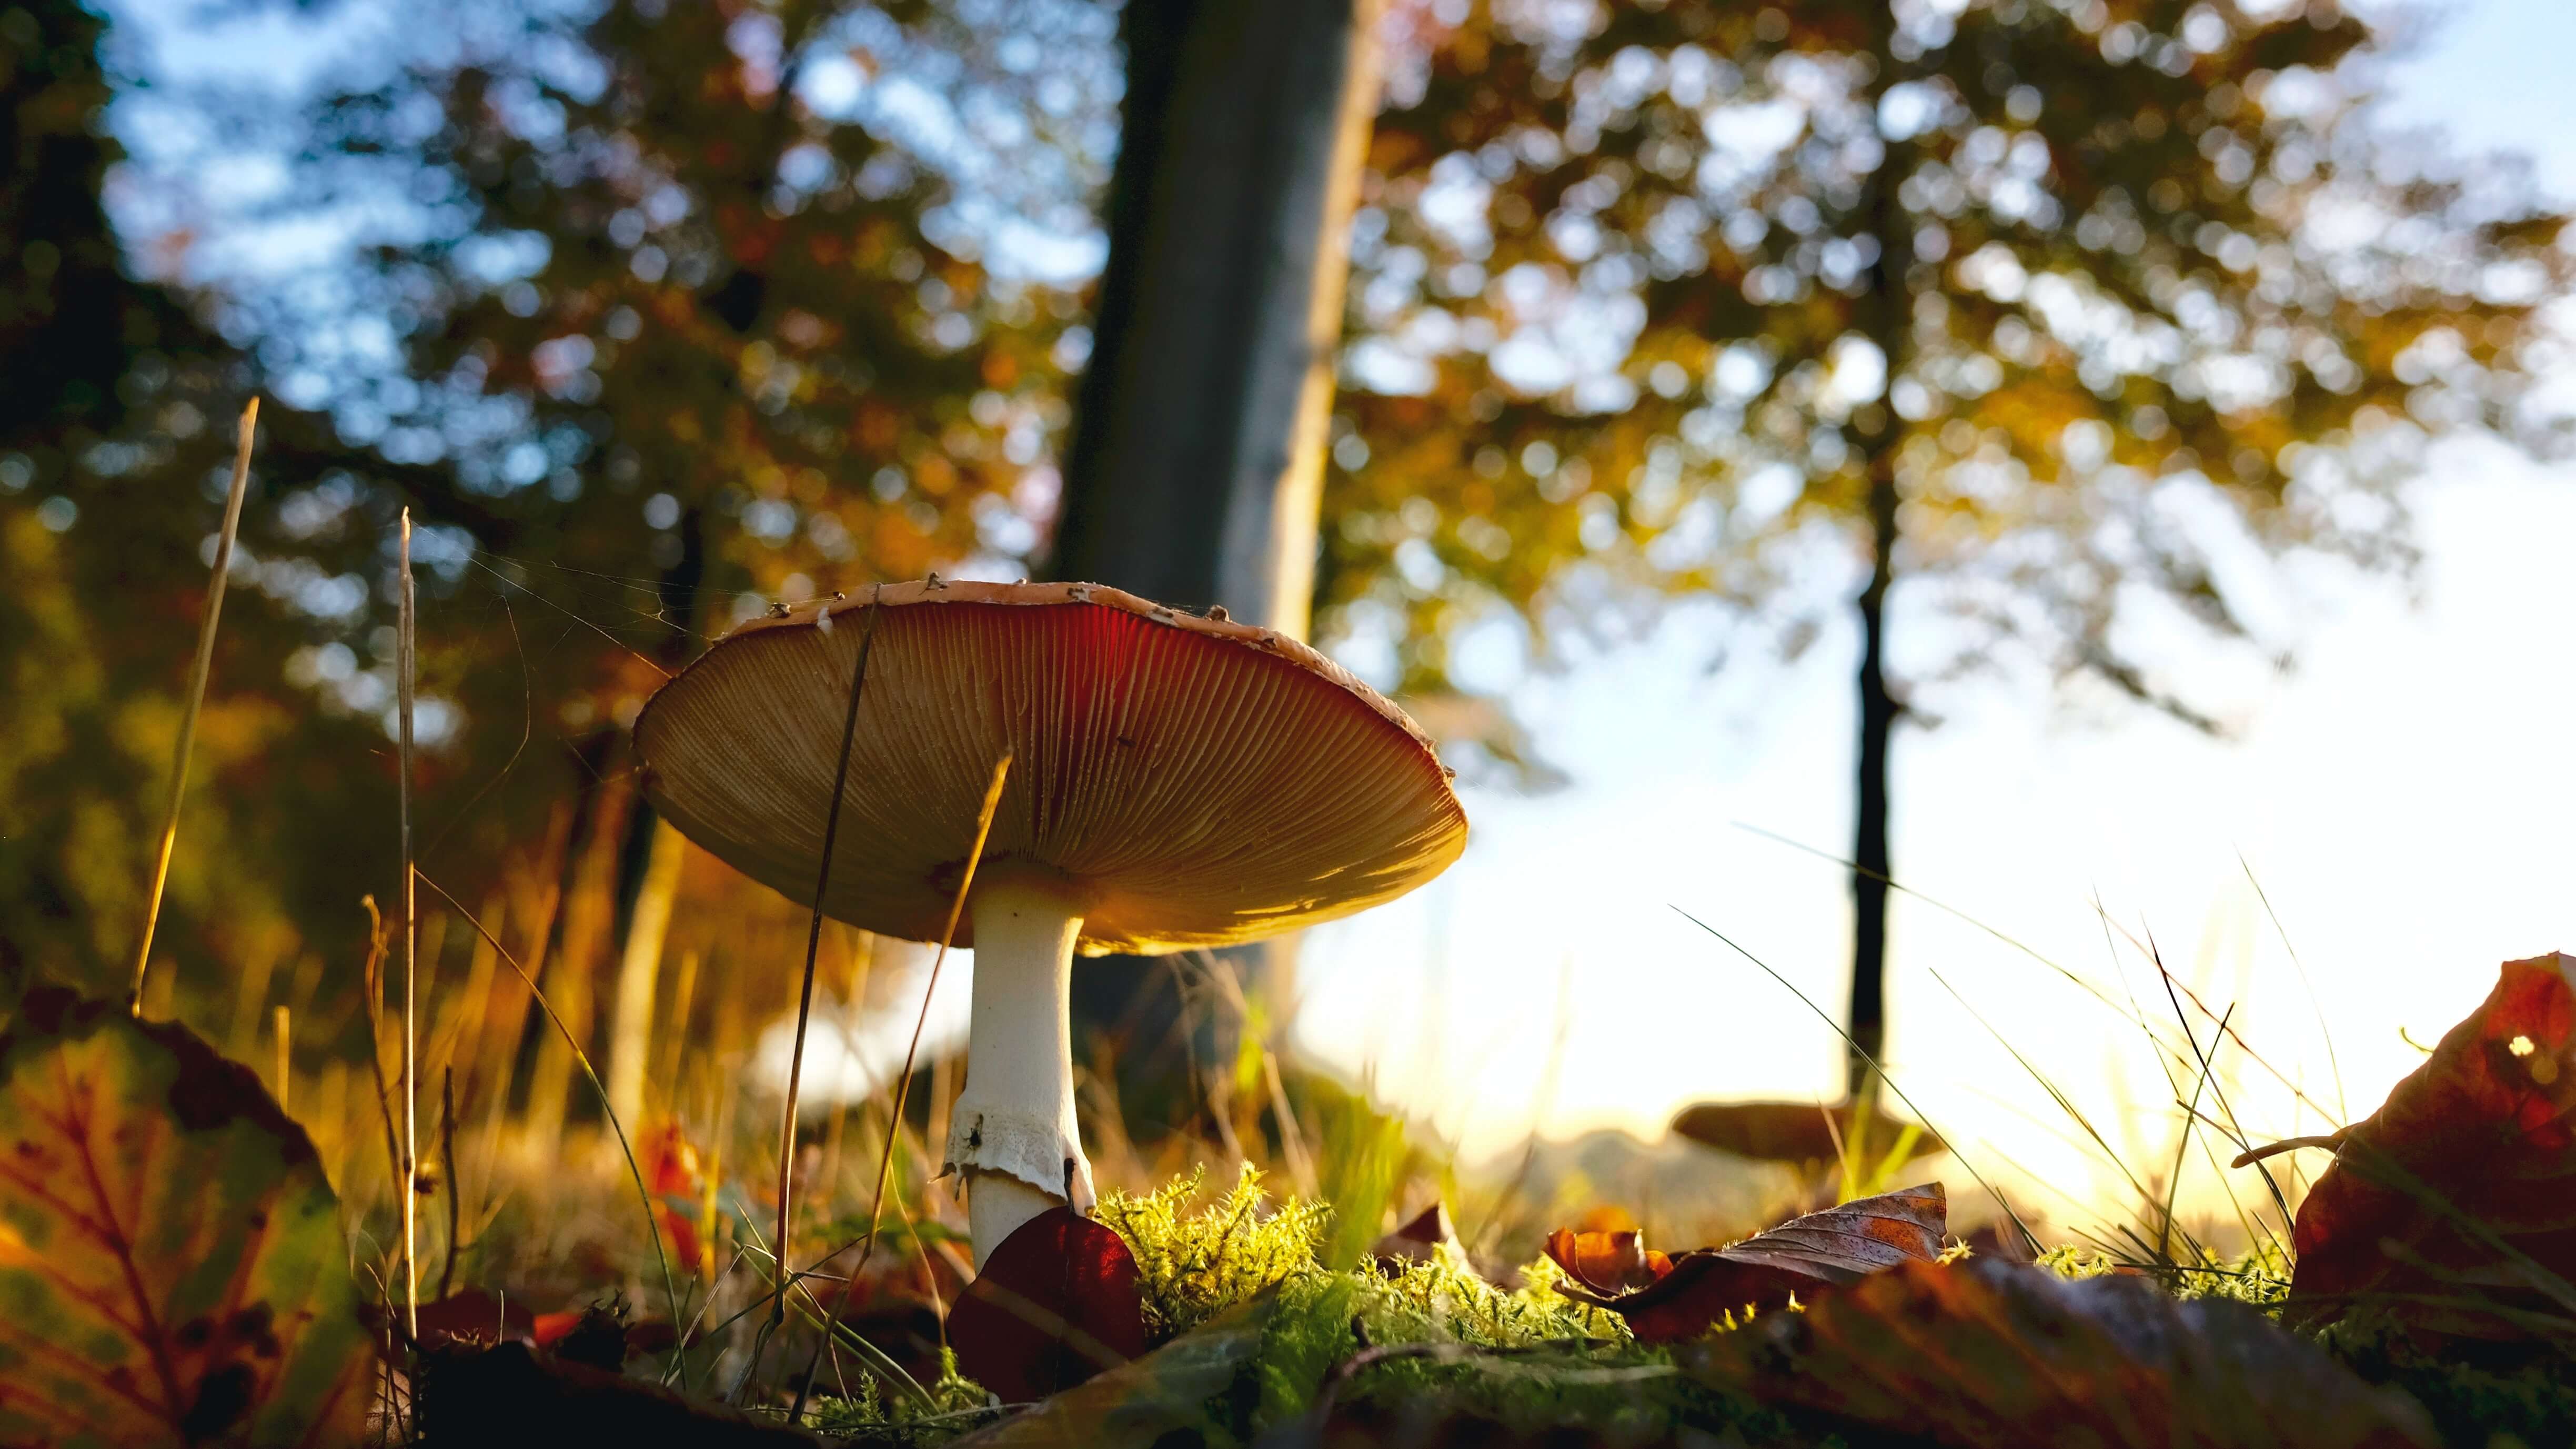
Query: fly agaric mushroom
1177, 782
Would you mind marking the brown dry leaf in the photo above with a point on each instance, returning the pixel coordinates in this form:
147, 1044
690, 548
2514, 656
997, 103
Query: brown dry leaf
2453, 1207
1701, 1289
1987, 1355
1426, 1237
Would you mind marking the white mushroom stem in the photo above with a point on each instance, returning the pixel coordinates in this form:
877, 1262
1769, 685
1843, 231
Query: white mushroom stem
1012, 1134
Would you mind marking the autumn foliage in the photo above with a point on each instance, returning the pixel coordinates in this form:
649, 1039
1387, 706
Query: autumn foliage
2453, 1207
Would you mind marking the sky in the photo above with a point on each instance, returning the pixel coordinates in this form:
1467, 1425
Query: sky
2405, 800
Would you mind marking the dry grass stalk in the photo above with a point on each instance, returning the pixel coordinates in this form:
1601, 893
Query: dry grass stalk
406, 646
223, 568
903, 1079
652, 1224
284, 1059
813, 948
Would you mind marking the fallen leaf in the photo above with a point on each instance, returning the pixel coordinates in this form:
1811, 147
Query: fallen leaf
1426, 1237
1609, 1263
1700, 1289
509, 1395
2453, 1207
172, 1269
1799, 1131
1170, 1396
670, 1166
670, 1161
1058, 1301
1988, 1355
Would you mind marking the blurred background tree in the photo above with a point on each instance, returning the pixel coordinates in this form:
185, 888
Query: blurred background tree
115, 432
2055, 326
656, 320
693, 315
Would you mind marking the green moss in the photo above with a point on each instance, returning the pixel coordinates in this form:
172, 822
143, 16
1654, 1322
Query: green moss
1561, 1363
874, 1418
2068, 1261
2481, 1396
1526, 1356
1196, 1261
2260, 1278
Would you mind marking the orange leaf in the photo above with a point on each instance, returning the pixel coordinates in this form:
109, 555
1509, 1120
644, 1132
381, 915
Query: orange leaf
1700, 1289
670, 1161
670, 1165
1607, 1263
2453, 1206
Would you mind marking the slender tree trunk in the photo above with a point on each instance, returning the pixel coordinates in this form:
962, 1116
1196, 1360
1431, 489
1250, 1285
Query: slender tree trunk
589, 918
1196, 467
630, 1041
1886, 315
1868, 1014
649, 869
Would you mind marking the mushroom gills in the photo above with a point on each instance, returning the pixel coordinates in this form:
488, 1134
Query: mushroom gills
1012, 1136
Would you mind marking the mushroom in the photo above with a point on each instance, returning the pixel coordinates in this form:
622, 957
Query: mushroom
1177, 782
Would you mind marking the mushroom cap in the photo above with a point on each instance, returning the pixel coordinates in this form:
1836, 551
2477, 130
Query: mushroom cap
1189, 781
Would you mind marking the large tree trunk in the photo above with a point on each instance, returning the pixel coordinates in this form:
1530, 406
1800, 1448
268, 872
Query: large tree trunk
1195, 472
1196, 466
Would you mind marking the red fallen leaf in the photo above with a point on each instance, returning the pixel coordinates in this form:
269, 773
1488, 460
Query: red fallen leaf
1607, 1263
1988, 1355
549, 1329
669, 1161
1058, 1301
670, 1166
1864, 1236
1180, 1394
2453, 1207
1798, 1131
